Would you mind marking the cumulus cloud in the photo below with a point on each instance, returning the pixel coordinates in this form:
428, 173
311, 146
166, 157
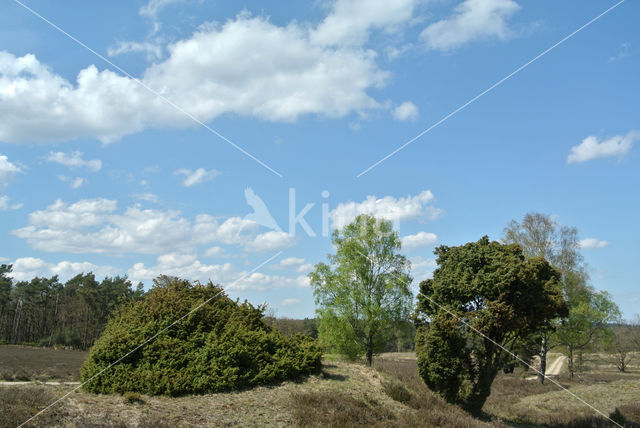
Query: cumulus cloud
183, 266
74, 160
26, 268
94, 226
74, 183
5, 205
208, 74
200, 175
188, 266
592, 243
297, 264
289, 302
271, 241
591, 148
419, 240
151, 9
215, 251
388, 207
422, 268
148, 197
8, 171
406, 111
351, 21
471, 20
152, 50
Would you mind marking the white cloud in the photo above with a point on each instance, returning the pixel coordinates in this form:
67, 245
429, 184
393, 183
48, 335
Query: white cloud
214, 252
151, 9
289, 302
188, 266
422, 268
419, 240
208, 74
200, 175
291, 261
8, 171
271, 241
406, 111
592, 243
74, 160
26, 268
74, 183
93, 226
350, 21
471, 20
4, 204
623, 52
152, 50
388, 207
148, 197
591, 148
184, 266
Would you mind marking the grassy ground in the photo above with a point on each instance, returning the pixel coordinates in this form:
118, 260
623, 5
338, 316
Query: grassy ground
22, 363
345, 394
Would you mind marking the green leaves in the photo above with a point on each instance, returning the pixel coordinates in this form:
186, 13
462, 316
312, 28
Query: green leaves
364, 291
483, 297
220, 346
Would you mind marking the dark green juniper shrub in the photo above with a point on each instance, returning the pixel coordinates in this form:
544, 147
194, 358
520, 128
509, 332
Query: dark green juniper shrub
221, 346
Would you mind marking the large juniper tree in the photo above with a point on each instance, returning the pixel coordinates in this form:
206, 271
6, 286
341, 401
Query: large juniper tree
484, 297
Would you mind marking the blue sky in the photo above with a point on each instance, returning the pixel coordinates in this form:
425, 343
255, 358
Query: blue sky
141, 165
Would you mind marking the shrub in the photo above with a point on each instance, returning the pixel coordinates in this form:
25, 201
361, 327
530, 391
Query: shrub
223, 345
131, 397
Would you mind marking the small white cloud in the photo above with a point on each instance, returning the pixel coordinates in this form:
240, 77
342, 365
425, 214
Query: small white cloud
8, 171
406, 111
271, 241
289, 302
291, 261
419, 240
198, 176
623, 52
74, 183
149, 197
591, 148
471, 20
214, 252
5, 206
152, 50
151, 9
74, 160
592, 243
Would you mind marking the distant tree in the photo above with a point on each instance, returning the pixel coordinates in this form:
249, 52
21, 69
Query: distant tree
364, 290
590, 316
541, 236
484, 297
623, 343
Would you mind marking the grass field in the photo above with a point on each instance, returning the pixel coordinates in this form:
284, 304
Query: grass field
345, 394
23, 363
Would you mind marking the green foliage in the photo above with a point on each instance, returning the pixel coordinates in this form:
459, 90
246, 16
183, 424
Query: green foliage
223, 345
484, 297
131, 397
363, 294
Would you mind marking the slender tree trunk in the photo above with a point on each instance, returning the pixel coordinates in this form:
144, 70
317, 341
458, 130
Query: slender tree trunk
543, 360
369, 351
571, 364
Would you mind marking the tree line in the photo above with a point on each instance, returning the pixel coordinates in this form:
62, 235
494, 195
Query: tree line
46, 312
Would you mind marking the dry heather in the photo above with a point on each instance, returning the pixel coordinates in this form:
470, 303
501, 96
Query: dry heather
22, 363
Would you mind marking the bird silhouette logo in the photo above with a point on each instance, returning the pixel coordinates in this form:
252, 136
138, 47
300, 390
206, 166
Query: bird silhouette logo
260, 214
